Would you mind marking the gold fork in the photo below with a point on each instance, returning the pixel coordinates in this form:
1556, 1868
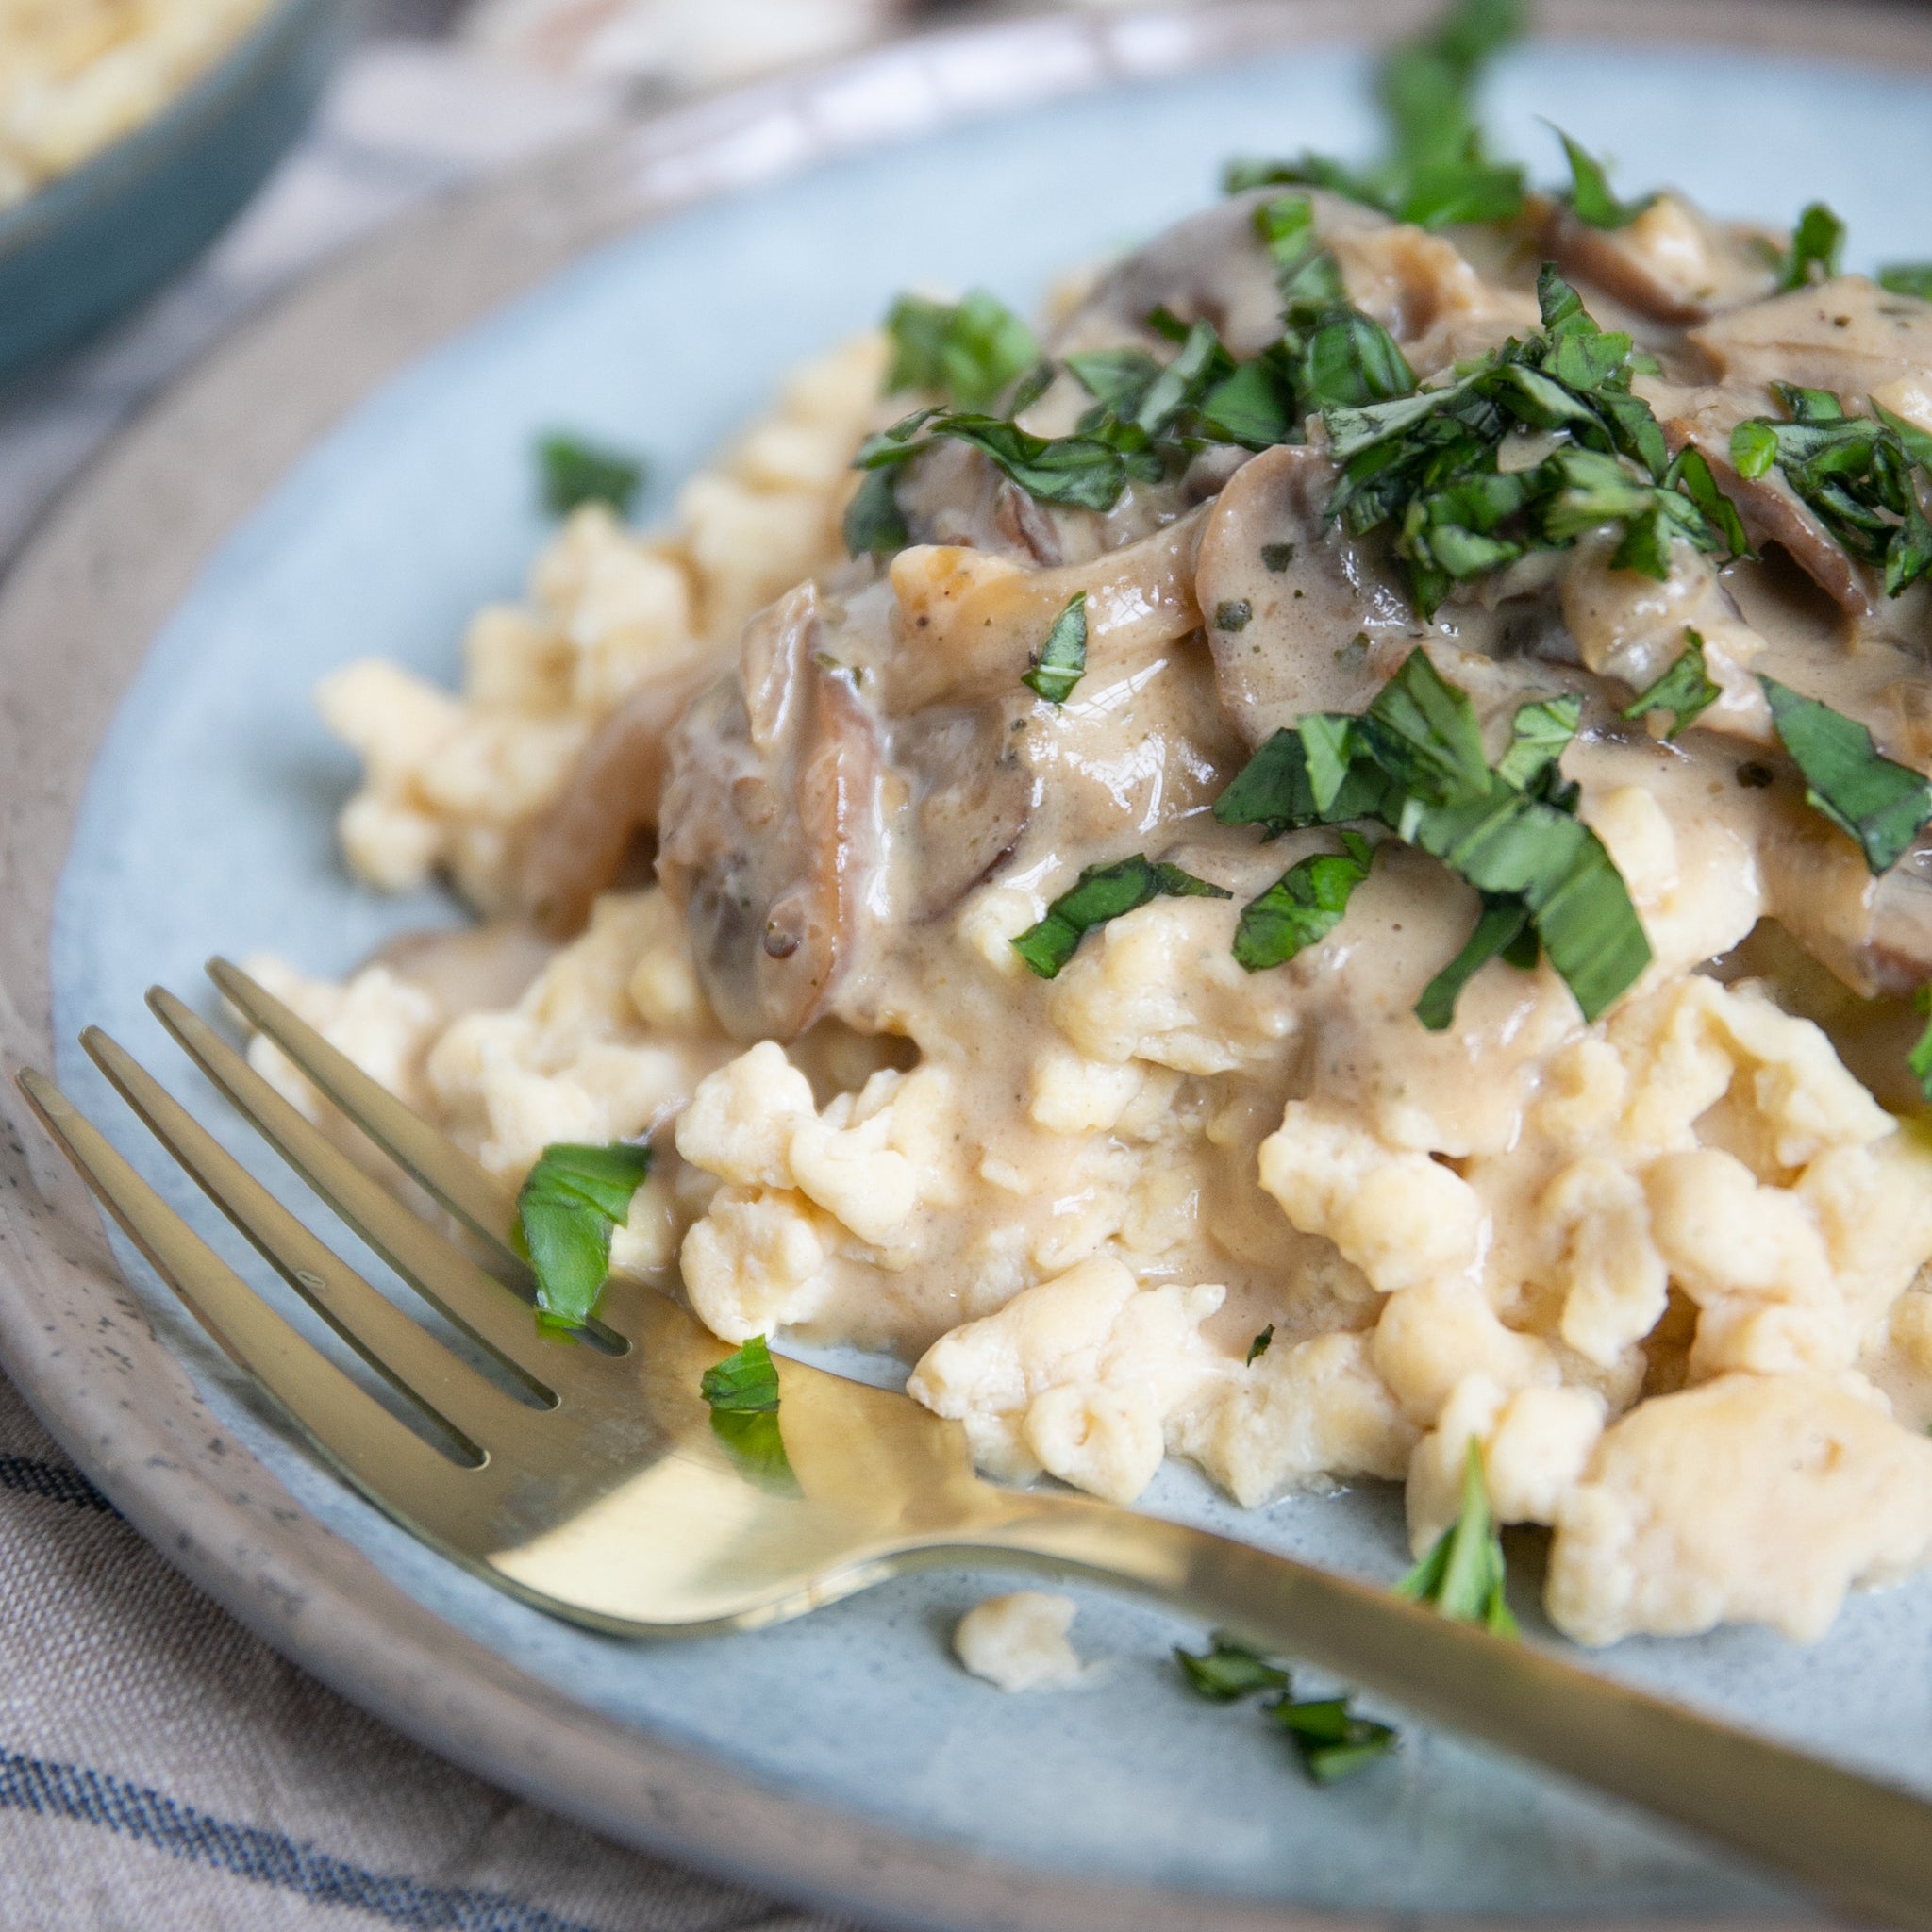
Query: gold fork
585, 1477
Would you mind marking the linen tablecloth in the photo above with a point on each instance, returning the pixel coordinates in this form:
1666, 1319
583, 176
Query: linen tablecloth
160, 1767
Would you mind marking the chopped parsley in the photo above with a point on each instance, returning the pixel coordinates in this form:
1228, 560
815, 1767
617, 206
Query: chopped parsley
1414, 761
1907, 278
1685, 691
1081, 471
1233, 614
1918, 1060
874, 524
1502, 931
1259, 1346
1880, 803
1463, 1576
1304, 905
1061, 661
1275, 557
1589, 198
1426, 465
1539, 734
1329, 1739
1148, 419
574, 1197
1332, 1741
1853, 473
743, 1384
1817, 242
1228, 1671
967, 351
1435, 169
742, 1392
1103, 892
573, 473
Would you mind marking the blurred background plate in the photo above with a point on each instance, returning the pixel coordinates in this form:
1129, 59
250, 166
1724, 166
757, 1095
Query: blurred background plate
350, 475
90, 243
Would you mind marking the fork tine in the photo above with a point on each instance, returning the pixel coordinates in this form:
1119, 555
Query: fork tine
442, 1167
423, 1153
476, 1302
407, 1356
376, 1451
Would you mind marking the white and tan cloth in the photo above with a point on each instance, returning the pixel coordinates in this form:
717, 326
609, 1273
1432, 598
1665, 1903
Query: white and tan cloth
160, 1768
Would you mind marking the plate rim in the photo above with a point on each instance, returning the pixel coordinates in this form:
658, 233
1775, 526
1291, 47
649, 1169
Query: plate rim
98, 575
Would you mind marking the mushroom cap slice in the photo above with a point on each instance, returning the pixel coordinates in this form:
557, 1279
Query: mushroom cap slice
1847, 335
580, 844
971, 793
770, 830
970, 624
1300, 616
1672, 263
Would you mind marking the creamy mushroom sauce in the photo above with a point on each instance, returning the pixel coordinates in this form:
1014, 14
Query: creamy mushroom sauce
1665, 1267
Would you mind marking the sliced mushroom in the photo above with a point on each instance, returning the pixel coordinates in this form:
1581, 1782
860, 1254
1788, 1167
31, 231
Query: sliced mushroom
581, 845
1847, 335
970, 624
1300, 616
1771, 511
971, 793
1212, 267
1629, 627
1426, 295
1674, 263
772, 825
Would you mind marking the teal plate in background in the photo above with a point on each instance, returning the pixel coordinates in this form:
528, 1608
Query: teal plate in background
207, 825
90, 243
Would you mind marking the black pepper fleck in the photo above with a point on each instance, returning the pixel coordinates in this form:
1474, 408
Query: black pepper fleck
1754, 777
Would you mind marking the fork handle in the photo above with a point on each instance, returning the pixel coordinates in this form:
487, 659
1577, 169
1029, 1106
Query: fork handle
1866, 1845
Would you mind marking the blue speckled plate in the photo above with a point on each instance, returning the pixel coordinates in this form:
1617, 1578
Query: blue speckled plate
207, 825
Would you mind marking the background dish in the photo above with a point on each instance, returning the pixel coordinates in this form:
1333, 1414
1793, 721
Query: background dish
92, 242
206, 823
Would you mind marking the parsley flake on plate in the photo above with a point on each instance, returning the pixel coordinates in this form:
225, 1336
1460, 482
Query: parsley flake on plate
1228, 1669
1685, 691
1464, 1574
1331, 1741
1061, 661
1259, 1346
1103, 892
567, 1209
573, 473
1879, 802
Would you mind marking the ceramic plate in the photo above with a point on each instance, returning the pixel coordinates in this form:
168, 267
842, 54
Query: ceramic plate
351, 476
